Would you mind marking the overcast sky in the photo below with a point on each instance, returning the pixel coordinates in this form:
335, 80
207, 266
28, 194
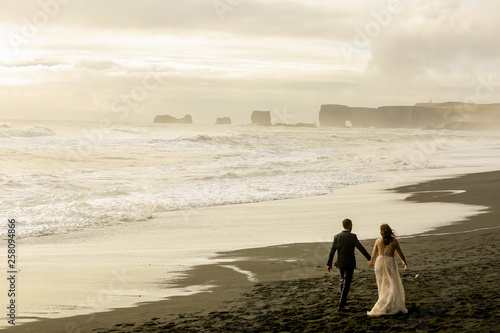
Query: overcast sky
130, 60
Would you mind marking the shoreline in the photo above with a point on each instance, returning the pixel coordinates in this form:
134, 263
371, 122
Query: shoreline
122, 266
293, 264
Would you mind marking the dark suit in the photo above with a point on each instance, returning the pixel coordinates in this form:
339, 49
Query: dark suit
344, 243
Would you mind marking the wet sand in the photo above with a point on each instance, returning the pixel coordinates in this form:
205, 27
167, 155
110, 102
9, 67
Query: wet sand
451, 284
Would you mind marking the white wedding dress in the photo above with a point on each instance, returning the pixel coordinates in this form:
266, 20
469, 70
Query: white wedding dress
391, 295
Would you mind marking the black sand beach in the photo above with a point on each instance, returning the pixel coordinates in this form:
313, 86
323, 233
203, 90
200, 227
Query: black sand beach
452, 284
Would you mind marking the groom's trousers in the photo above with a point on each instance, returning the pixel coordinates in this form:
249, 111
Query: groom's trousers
345, 284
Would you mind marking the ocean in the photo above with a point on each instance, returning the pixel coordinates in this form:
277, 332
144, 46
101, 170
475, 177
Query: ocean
111, 214
57, 177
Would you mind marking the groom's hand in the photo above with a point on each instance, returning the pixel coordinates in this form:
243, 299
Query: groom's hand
329, 268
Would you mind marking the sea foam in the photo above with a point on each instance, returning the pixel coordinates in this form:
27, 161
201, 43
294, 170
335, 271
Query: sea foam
66, 176
6, 131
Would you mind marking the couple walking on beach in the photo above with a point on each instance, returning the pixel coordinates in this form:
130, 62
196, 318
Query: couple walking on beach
391, 295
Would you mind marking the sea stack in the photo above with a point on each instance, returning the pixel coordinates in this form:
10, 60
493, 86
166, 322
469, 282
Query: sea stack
172, 120
261, 118
223, 121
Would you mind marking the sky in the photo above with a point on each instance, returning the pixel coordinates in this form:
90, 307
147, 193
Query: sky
130, 60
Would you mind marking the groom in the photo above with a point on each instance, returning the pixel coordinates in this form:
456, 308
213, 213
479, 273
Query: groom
344, 243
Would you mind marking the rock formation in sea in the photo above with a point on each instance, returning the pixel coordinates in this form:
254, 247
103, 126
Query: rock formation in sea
451, 115
187, 119
223, 121
262, 118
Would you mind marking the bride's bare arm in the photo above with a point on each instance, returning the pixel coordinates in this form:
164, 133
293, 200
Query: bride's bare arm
401, 255
374, 254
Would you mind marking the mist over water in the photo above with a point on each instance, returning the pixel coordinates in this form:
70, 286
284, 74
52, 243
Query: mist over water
62, 176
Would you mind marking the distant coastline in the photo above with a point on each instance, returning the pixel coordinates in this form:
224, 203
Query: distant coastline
433, 116
450, 115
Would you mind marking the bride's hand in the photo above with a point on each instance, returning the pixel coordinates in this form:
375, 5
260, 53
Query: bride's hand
405, 265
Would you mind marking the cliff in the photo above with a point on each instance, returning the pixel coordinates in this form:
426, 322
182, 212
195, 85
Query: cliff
172, 120
421, 115
262, 118
223, 121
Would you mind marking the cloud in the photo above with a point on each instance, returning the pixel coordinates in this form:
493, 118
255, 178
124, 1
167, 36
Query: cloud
443, 36
292, 18
257, 54
97, 65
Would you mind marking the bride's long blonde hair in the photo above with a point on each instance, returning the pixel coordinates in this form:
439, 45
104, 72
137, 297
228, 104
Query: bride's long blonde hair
387, 234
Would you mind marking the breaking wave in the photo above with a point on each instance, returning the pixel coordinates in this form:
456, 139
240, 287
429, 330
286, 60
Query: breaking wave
123, 178
6, 131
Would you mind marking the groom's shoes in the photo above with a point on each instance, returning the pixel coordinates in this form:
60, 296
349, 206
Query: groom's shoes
344, 309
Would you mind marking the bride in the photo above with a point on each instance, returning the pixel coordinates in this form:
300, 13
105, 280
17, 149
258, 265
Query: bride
391, 295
